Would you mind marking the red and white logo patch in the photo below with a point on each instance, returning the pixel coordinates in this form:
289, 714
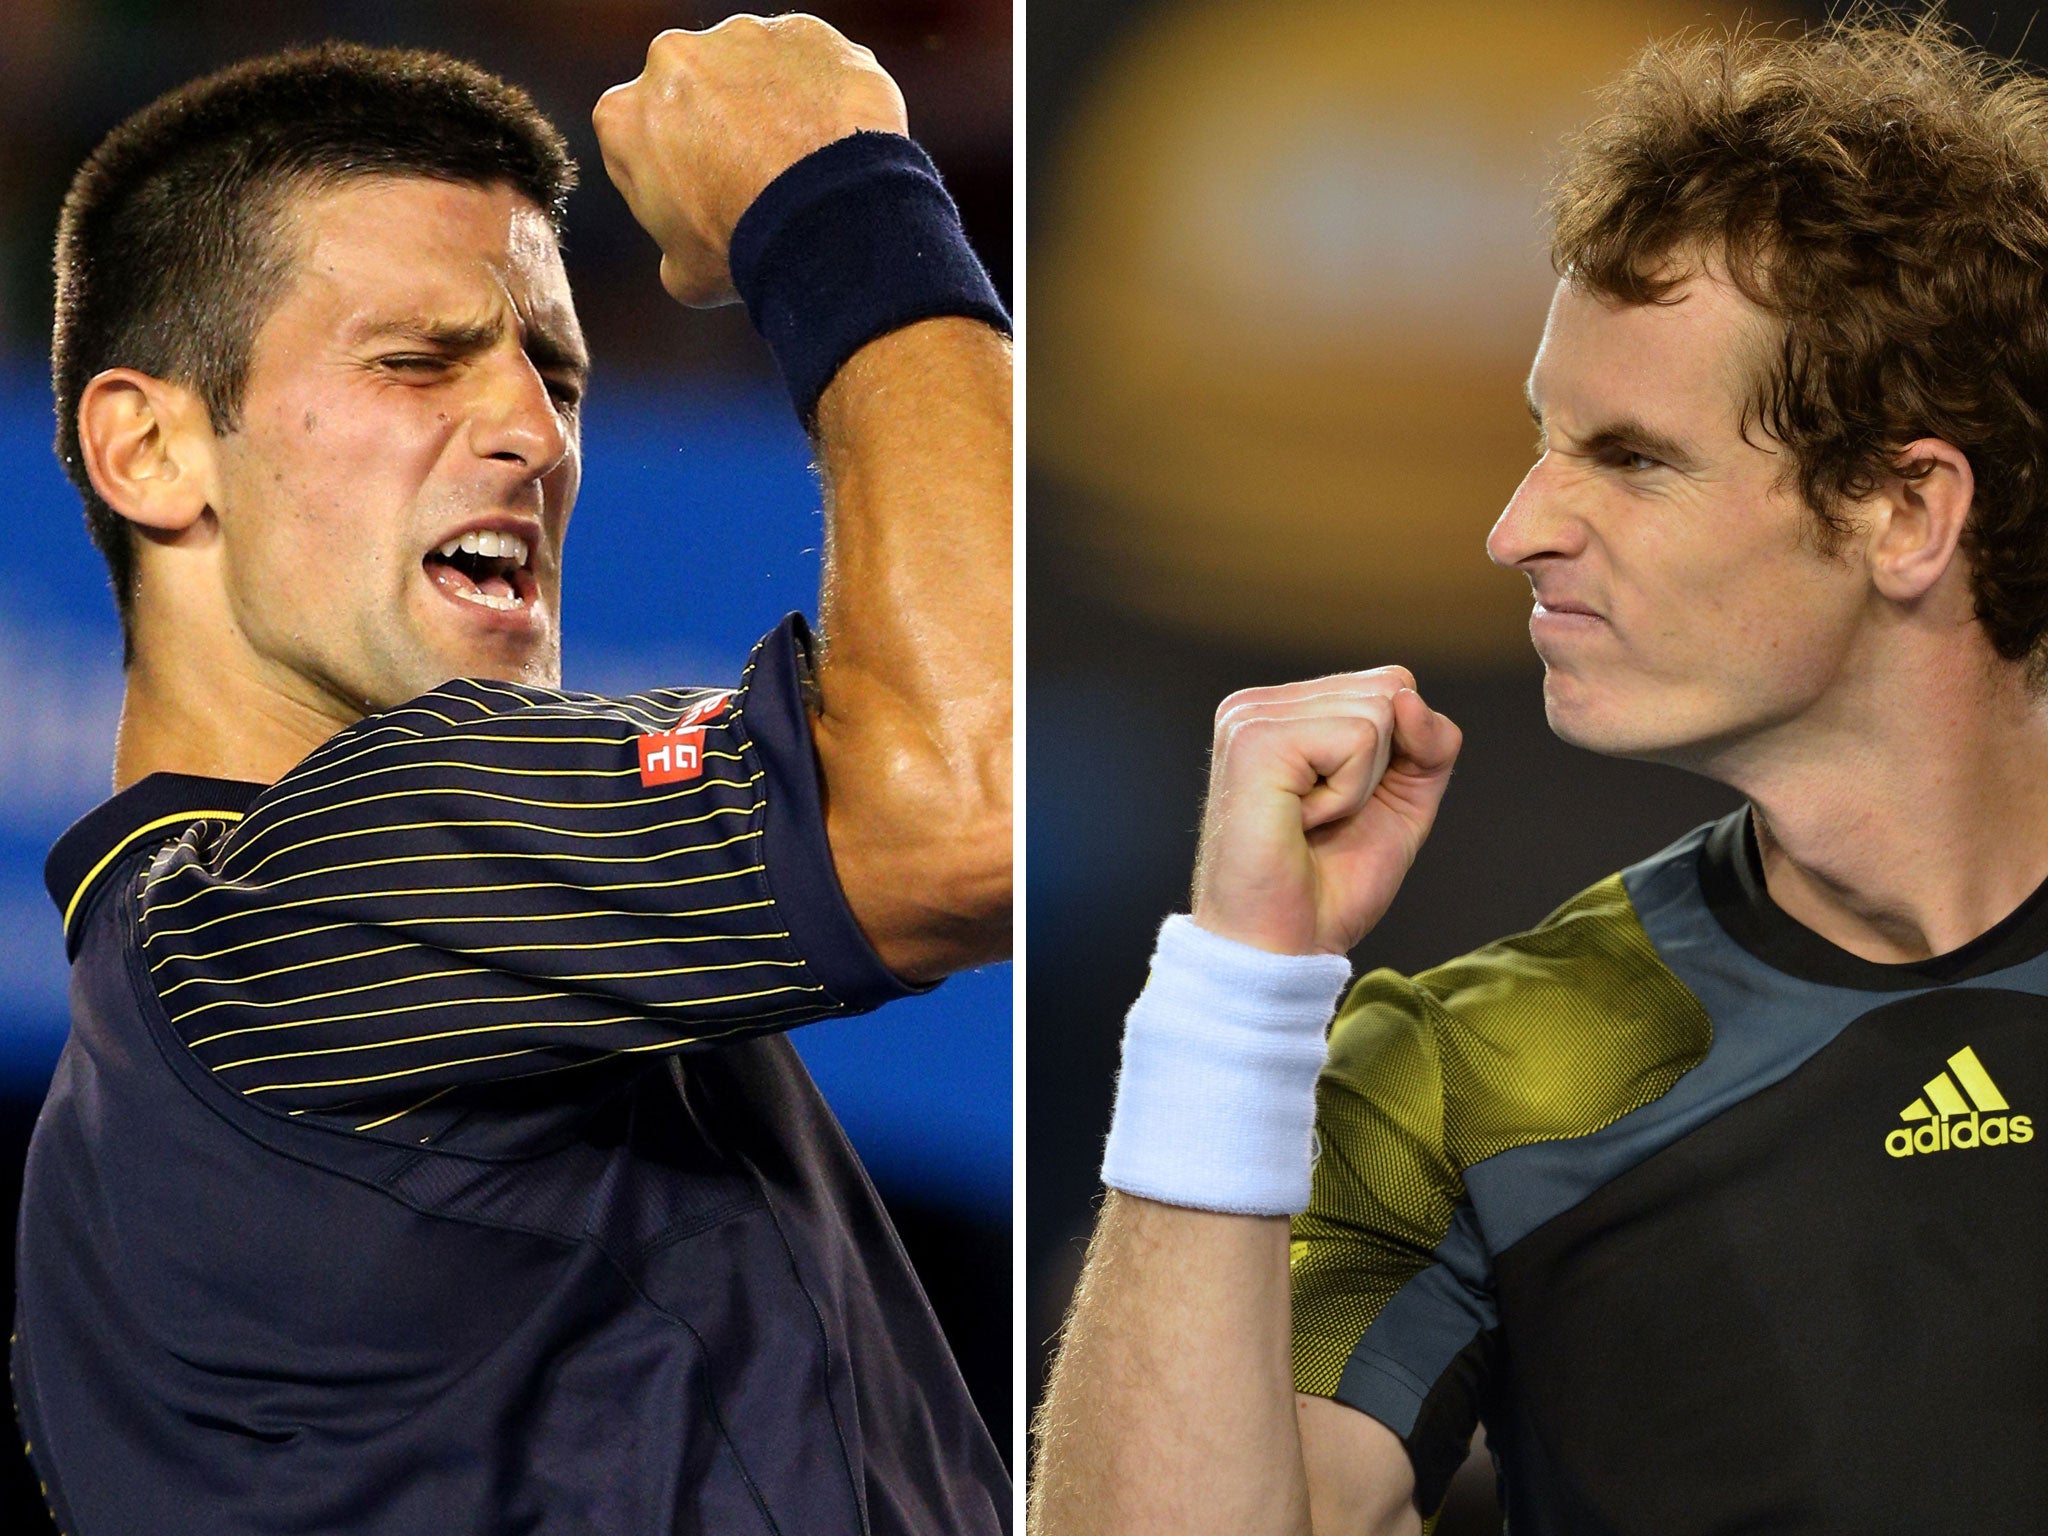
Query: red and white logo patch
670, 757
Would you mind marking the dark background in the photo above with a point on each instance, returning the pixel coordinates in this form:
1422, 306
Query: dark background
1287, 275
689, 447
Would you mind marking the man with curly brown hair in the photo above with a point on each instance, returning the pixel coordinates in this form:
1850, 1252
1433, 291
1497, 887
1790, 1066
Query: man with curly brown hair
1715, 1195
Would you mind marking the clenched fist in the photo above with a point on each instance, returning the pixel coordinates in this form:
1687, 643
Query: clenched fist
717, 115
1320, 796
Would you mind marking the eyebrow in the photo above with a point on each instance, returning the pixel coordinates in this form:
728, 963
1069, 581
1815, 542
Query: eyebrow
1624, 433
548, 350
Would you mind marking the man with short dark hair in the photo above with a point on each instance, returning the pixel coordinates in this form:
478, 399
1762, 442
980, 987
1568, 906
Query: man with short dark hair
426, 1152
1715, 1196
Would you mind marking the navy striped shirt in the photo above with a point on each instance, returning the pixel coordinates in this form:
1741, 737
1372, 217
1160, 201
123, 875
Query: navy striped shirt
469, 1181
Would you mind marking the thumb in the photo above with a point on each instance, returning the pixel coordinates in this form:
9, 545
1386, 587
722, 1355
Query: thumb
1425, 742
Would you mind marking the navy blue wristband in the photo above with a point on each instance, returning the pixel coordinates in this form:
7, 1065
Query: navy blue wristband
853, 241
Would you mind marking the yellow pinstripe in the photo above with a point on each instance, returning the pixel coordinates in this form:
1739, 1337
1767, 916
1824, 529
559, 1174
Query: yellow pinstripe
597, 1059
470, 1061
461, 858
528, 917
447, 791
385, 1077
319, 997
439, 1034
264, 825
410, 943
327, 786
467, 949
480, 970
499, 998
371, 1125
361, 746
495, 999
459, 733
180, 818
472, 890
604, 708
421, 945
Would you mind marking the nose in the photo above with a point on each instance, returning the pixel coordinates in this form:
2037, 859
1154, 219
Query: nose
515, 420
1536, 521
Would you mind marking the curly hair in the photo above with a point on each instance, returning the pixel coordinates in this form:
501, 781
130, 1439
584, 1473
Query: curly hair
1879, 187
169, 256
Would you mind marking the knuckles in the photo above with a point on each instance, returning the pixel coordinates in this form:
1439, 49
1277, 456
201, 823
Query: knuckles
1381, 681
1357, 727
611, 106
678, 44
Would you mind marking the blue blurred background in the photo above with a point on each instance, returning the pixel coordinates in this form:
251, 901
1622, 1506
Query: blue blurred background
694, 468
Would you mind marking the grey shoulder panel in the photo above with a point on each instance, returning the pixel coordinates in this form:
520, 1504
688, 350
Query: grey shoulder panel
1765, 1026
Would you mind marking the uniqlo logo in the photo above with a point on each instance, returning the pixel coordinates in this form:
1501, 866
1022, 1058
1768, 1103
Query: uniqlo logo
704, 709
669, 757
672, 756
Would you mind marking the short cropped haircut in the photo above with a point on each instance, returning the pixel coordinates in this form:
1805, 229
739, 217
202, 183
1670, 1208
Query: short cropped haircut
1880, 189
170, 254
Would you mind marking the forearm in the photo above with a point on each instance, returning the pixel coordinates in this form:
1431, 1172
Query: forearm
1171, 1405
914, 723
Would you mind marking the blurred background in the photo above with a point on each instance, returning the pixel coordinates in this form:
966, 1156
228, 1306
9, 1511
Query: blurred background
690, 447
1287, 276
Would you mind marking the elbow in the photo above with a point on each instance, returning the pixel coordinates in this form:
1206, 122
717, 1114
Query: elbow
960, 885
924, 845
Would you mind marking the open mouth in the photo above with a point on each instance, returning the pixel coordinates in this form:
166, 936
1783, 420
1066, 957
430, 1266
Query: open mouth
485, 567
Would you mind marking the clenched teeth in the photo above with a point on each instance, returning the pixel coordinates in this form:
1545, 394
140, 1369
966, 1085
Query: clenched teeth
489, 543
487, 600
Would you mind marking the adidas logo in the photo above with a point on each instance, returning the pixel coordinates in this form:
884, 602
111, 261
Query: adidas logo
1957, 1109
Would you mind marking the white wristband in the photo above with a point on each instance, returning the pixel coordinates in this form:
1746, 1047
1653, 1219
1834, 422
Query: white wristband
1215, 1107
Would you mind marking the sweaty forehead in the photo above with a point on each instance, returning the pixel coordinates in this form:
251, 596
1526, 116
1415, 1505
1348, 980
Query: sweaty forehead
1695, 354
379, 248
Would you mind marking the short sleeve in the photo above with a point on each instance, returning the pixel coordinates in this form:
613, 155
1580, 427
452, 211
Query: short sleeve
494, 882
1393, 1312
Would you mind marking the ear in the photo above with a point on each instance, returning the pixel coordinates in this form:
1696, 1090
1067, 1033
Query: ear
1917, 519
148, 447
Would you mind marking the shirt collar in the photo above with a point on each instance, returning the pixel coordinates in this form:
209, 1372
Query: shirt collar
159, 806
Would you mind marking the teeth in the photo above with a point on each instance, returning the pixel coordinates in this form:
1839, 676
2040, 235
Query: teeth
486, 600
490, 544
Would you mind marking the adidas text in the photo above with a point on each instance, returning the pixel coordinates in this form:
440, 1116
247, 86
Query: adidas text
1959, 1133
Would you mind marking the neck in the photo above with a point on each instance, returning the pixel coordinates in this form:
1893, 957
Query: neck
184, 712
1916, 820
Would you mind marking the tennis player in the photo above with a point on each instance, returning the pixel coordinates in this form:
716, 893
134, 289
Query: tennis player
1716, 1196
427, 1153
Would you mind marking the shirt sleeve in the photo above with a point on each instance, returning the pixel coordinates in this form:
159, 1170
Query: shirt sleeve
1393, 1309
493, 883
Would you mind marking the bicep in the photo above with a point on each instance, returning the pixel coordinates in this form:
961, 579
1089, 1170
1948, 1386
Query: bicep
1360, 1481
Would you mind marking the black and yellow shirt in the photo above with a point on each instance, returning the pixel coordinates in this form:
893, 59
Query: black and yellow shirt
426, 1154
1716, 1226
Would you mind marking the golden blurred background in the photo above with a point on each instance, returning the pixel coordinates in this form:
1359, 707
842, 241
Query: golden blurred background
1287, 272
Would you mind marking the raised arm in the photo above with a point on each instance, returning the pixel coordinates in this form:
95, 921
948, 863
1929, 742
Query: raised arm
913, 432
913, 728
1171, 1409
